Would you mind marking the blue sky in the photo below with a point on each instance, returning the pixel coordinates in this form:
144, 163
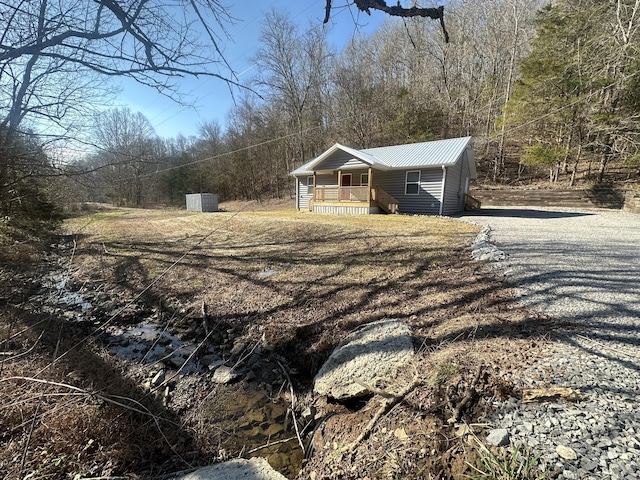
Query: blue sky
211, 97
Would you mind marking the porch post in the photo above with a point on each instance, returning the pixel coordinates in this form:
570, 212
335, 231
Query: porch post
339, 184
369, 187
314, 185
315, 193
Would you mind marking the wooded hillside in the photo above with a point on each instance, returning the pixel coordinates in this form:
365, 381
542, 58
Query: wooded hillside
547, 91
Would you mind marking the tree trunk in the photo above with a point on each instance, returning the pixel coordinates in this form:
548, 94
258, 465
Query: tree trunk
604, 160
575, 165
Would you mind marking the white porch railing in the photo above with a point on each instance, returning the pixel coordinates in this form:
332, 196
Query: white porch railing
340, 194
376, 196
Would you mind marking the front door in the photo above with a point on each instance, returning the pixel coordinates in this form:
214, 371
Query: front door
345, 193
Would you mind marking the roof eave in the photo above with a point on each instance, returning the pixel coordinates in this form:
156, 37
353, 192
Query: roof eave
422, 166
308, 168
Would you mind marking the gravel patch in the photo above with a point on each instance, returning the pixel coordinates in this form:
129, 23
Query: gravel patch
583, 268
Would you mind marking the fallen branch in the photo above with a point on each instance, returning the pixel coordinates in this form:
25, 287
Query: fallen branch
471, 393
390, 402
293, 405
270, 444
550, 394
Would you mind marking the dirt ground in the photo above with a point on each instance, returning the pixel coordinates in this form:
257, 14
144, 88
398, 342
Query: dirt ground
109, 336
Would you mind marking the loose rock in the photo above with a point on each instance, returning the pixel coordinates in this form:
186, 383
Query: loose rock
375, 352
498, 437
566, 452
239, 469
224, 374
589, 283
158, 378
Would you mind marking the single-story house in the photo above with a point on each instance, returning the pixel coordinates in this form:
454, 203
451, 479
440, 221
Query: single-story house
427, 177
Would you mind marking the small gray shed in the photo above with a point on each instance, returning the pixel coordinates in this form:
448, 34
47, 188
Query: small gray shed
202, 202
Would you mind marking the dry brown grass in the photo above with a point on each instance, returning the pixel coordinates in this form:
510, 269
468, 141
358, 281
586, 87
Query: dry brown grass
68, 410
333, 272
330, 274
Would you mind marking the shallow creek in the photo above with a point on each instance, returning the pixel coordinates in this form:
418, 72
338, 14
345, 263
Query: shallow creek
248, 416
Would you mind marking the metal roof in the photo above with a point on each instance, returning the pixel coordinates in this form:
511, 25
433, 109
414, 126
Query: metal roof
413, 155
424, 154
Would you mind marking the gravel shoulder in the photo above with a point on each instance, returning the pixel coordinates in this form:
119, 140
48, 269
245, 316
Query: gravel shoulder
583, 269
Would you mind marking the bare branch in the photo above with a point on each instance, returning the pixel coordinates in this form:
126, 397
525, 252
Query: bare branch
436, 13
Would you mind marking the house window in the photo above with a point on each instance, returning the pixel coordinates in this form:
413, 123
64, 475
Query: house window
412, 183
309, 185
364, 179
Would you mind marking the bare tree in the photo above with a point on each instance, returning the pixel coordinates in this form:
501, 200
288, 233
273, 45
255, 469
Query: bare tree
128, 155
292, 65
56, 54
151, 42
357, 93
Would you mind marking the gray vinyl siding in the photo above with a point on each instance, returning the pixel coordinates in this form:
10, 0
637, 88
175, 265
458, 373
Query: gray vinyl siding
303, 194
427, 201
327, 180
454, 187
340, 160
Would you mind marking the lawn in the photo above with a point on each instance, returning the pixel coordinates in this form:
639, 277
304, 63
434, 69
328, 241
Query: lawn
284, 287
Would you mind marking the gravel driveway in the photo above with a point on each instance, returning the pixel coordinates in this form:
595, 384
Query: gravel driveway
582, 267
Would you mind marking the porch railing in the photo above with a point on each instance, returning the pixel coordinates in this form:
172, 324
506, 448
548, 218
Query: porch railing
384, 200
340, 194
471, 203
377, 196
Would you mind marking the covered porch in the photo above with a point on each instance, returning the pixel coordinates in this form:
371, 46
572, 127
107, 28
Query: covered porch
344, 197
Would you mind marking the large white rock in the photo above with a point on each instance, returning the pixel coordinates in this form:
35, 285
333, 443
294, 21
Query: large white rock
372, 353
239, 469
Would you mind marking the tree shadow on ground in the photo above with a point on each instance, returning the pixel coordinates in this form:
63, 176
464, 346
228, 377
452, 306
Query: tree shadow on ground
522, 213
319, 294
585, 278
315, 298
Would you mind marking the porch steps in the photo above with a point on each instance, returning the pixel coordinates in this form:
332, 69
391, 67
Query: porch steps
386, 208
599, 196
385, 202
